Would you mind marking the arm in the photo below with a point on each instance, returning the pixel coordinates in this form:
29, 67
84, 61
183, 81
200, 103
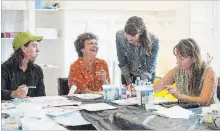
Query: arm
122, 58
76, 78
168, 79
40, 89
5, 92
209, 86
149, 68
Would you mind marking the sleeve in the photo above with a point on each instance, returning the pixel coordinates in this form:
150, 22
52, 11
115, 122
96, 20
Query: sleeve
5, 92
122, 58
76, 78
40, 91
150, 66
107, 72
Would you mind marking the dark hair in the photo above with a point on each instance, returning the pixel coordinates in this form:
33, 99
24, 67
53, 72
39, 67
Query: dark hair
79, 42
188, 47
19, 54
135, 25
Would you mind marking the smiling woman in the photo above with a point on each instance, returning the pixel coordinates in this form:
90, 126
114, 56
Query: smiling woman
88, 73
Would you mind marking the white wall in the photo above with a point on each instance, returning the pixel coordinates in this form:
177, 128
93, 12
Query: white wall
169, 23
169, 20
204, 28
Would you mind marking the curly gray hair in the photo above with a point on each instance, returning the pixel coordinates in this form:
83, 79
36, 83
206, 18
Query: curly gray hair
79, 42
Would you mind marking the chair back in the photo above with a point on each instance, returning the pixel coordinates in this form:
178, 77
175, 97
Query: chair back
63, 88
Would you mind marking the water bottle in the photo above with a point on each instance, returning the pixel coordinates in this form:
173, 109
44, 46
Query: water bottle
149, 96
116, 93
137, 81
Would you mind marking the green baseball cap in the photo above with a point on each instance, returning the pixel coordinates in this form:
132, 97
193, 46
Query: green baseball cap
22, 38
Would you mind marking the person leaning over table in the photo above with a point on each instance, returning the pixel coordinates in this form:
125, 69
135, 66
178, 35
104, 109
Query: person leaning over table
137, 51
88, 73
195, 80
20, 71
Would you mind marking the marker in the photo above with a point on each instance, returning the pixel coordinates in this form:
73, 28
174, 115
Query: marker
31, 86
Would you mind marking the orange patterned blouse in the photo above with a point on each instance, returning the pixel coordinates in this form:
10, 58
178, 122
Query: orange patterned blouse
84, 79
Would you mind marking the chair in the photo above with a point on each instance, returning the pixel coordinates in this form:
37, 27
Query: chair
63, 88
218, 89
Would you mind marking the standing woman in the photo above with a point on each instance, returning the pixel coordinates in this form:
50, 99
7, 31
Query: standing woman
137, 51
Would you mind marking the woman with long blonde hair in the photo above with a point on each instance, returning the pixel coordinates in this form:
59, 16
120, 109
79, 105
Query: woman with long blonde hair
195, 80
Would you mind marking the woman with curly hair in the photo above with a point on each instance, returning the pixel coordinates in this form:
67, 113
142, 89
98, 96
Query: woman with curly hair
137, 51
88, 73
195, 80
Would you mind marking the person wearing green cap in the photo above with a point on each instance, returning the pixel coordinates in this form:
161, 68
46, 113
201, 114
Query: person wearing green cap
19, 71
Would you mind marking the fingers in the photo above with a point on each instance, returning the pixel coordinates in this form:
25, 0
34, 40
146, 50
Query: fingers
169, 89
21, 95
21, 92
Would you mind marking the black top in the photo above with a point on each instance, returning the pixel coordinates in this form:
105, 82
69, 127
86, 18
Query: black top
12, 77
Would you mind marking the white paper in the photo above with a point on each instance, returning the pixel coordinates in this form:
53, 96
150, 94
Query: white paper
39, 124
8, 106
50, 101
128, 101
73, 119
46, 98
88, 96
72, 90
175, 112
96, 106
57, 111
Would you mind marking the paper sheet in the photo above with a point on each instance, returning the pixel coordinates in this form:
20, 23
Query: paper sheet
51, 101
128, 101
175, 112
46, 98
57, 111
40, 124
88, 96
73, 119
96, 107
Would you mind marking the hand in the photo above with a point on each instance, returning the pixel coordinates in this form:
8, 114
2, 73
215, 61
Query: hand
102, 76
172, 90
98, 92
86, 91
130, 87
21, 92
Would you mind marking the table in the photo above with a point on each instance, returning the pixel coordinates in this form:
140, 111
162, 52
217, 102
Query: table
137, 118
131, 118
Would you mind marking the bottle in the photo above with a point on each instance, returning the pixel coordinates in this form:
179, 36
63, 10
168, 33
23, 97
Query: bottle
116, 93
140, 93
149, 96
137, 81
123, 92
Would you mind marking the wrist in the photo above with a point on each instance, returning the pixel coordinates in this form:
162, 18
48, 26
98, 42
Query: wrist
12, 94
105, 81
181, 97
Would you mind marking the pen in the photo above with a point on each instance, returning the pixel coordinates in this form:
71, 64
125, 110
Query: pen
31, 86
